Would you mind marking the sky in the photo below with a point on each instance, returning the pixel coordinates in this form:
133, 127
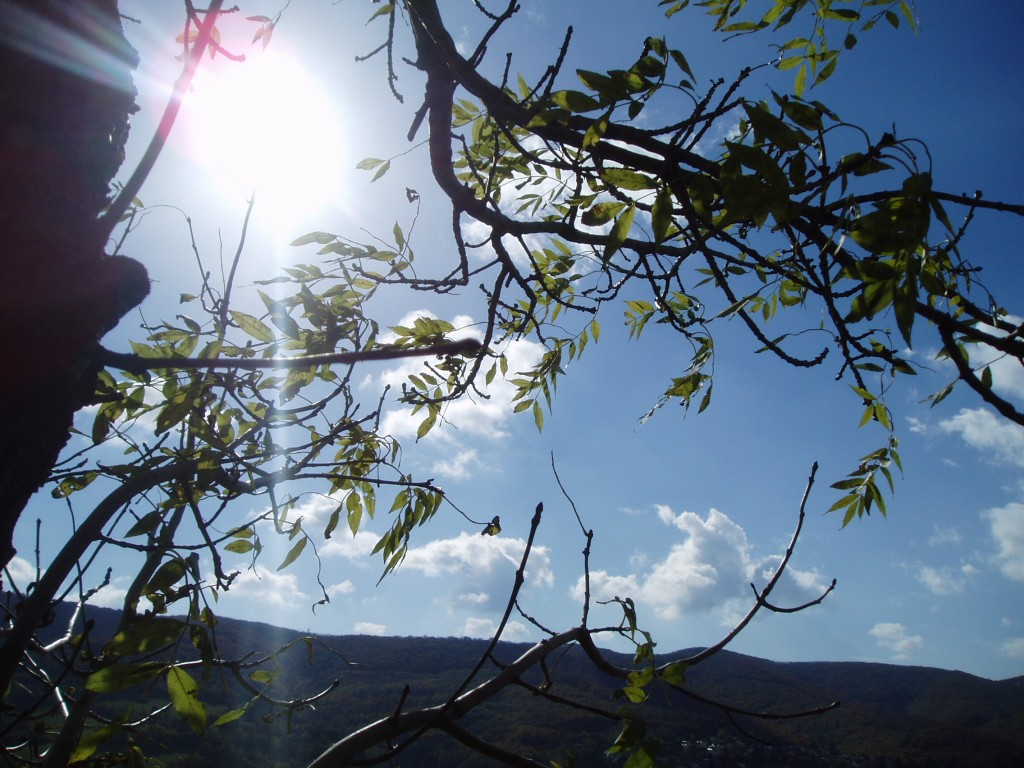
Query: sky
687, 510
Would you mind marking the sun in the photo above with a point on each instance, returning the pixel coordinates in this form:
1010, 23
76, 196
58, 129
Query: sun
265, 127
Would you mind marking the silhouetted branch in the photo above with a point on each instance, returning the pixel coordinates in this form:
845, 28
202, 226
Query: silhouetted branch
137, 364
131, 189
711, 651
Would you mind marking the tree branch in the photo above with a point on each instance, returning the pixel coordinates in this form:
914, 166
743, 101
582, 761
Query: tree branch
137, 364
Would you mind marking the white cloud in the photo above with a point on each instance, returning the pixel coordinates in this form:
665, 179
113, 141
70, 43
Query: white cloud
369, 628
342, 544
942, 581
344, 588
109, 597
485, 628
1013, 648
315, 510
22, 572
458, 467
999, 439
476, 557
473, 598
665, 513
711, 567
894, 637
479, 570
1007, 526
267, 587
945, 536
1007, 372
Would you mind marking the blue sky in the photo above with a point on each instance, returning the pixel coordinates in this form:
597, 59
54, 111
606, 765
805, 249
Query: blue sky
687, 510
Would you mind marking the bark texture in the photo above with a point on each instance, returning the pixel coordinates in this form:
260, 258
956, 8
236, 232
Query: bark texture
66, 95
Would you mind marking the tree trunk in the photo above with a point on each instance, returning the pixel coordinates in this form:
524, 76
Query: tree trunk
65, 100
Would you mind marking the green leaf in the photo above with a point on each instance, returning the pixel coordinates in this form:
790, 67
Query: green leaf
91, 741
601, 213
675, 673
382, 11
624, 178
322, 238
574, 101
146, 636
800, 81
661, 214
240, 547
184, 695
166, 576
385, 167
252, 326
228, 717
117, 677
293, 554
146, 524
619, 232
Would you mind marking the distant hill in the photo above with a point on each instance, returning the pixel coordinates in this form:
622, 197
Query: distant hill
889, 715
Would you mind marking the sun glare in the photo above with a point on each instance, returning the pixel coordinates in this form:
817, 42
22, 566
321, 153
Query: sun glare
264, 126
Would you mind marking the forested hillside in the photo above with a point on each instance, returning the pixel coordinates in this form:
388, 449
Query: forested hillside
889, 715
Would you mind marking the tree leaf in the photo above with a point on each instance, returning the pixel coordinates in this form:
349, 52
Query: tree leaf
625, 178
293, 554
661, 214
146, 524
620, 230
184, 693
601, 213
123, 675
145, 636
252, 326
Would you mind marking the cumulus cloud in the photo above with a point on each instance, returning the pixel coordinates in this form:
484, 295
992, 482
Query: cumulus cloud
315, 510
1013, 648
369, 628
345, 587
485, 628
997, 438
109, 596
473, 598
22, 572
268, 587
475, 556
342, 544
944, 581
893, 636
1007, 527
458, 467
712, 566
480, 569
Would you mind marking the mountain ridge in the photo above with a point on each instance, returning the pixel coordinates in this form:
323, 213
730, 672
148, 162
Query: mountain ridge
889, 715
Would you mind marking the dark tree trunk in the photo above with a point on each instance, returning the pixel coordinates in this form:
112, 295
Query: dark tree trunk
66, 94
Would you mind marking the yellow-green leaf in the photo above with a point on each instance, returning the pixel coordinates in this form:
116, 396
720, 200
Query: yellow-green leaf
293, 554
184, 693
252, 326
620, 230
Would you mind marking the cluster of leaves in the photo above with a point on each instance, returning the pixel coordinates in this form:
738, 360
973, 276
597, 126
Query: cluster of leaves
796, 214
216, 408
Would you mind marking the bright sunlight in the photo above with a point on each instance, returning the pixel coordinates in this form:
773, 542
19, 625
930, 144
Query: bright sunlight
264, 126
